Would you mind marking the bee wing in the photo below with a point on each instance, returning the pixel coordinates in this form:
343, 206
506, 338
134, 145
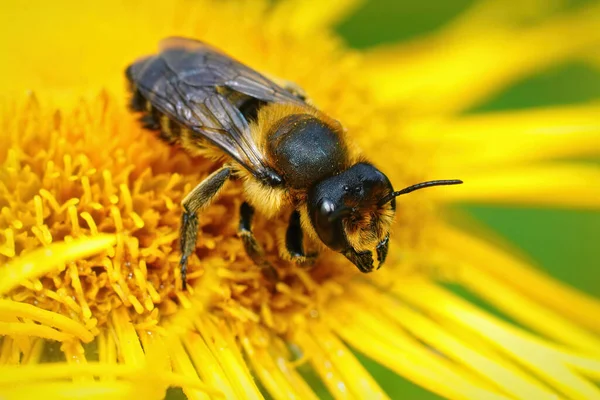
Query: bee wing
183, 82
204, 65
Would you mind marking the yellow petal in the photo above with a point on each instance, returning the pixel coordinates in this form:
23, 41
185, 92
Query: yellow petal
280, 379
183, 365
307, 16
12, 309
508, 376
507, 138
31, 379
42, 261
128, 344
540, 356
389, 345
445, 75
206, 364
528, 312
328, 372
552, 185
92, 390
354, 375
223, 346
528, 281
27, 329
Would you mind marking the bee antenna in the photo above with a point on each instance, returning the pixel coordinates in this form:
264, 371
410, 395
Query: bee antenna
418, 186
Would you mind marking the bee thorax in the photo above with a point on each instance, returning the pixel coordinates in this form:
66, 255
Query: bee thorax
306, 150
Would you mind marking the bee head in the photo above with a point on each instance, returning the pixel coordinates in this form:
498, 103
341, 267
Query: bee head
347, 213
352, 212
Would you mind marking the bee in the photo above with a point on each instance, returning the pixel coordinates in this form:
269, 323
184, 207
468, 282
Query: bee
291, 157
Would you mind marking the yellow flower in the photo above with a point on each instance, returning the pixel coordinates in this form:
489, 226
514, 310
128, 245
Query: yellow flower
89, 212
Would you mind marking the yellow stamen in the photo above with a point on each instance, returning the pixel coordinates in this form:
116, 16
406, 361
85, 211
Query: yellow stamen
74, 218
8, 247
39, 210
49, 197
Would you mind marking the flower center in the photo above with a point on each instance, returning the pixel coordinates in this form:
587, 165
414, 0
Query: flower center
67, 177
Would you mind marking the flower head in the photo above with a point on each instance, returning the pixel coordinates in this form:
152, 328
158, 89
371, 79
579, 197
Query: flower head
89, 216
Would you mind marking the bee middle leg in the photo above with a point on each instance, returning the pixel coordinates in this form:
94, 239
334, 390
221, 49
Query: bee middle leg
254, 250
294, 242
201, 196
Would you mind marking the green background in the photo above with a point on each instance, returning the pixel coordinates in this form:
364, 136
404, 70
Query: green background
563, 242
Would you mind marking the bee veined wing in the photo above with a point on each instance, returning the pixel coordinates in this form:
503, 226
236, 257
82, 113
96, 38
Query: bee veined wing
183, 82
202, 65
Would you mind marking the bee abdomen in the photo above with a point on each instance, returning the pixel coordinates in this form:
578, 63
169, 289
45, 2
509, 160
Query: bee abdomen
154, 120
170, 131
137, 102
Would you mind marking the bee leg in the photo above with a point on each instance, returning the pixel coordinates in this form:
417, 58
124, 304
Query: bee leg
253, 248
382, 250
200, 197
294, 242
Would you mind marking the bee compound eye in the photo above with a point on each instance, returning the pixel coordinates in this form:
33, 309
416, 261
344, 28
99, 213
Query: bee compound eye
327, 208
330, 230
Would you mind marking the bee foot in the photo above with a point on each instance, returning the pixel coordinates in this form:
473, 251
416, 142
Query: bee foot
304, 260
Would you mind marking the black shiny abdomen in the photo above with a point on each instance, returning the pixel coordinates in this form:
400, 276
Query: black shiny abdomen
305, 150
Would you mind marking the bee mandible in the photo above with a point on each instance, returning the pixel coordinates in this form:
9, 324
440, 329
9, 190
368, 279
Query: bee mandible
290, 156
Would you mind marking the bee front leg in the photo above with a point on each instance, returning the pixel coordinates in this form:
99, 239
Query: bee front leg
254, 250
200, 197
294, 242
382, 250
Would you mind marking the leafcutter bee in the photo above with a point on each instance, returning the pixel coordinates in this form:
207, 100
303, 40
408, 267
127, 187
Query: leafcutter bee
291, 157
